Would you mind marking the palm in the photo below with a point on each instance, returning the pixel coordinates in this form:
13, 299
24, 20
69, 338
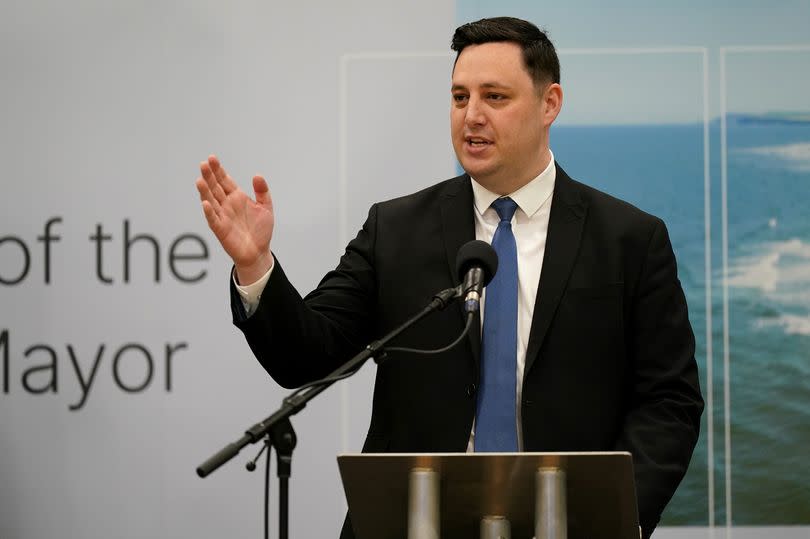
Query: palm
245, 228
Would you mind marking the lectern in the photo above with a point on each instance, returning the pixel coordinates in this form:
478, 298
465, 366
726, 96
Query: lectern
491, 495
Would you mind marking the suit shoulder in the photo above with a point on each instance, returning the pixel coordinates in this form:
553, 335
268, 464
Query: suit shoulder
426, 196
603, 204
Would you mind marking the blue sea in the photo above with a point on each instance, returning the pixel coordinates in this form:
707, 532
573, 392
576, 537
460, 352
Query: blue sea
660, 169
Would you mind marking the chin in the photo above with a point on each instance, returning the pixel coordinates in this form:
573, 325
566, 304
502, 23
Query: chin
479, 171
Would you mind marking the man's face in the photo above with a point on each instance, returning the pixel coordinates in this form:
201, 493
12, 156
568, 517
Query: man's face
499, 119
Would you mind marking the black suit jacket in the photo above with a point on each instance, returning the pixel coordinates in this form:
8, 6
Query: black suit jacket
610, 360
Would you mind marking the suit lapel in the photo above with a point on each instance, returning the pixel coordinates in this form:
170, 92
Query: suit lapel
562, 244
458, 227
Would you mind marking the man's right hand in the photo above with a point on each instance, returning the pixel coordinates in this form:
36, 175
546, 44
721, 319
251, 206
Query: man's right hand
243, 226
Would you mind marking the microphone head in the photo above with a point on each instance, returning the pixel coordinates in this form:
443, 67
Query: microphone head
477, 253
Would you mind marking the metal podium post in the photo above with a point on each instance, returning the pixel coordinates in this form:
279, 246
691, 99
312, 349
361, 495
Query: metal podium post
495, 527
423, 504
550, 516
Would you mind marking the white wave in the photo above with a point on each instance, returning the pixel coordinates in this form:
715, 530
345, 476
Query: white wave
761, 273
790, 323
778, 265
796, 155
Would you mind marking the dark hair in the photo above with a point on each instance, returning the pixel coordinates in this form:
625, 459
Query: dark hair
539, 55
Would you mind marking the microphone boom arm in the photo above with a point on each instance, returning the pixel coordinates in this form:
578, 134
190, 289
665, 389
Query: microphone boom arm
299, 399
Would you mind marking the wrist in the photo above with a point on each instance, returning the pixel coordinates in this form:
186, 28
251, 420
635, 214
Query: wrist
247, 274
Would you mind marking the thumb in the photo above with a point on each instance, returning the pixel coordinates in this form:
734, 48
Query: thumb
262, 192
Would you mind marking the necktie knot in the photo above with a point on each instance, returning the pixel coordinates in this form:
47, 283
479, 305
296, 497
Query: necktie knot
505, 207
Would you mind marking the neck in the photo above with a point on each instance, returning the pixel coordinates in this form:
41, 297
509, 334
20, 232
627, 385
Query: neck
510, 183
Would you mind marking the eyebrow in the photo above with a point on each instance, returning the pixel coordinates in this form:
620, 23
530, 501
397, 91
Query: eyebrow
487, 85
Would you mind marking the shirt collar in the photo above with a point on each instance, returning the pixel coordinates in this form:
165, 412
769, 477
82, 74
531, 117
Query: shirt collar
529, 198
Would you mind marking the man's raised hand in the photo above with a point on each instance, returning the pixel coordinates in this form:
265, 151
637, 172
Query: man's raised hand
242, 225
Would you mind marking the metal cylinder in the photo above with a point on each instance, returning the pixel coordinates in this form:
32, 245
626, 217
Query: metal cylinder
495, 527
550, 513
423, 504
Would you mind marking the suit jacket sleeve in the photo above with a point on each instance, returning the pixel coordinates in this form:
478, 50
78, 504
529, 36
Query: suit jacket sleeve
662, 423
298, 340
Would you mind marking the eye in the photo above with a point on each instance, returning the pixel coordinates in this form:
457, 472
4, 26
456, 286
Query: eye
496, 97
459, 98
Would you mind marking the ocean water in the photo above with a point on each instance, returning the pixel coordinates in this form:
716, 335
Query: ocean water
660, 169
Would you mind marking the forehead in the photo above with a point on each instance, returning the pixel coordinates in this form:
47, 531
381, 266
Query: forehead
488, 63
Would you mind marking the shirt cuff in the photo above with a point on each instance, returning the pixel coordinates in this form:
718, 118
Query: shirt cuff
252, 293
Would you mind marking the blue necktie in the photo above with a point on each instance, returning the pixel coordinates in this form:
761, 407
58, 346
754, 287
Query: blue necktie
495, 421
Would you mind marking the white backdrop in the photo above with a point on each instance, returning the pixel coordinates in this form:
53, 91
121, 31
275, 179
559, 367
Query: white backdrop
107, 110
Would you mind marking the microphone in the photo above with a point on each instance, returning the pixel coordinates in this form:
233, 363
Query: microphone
476, 264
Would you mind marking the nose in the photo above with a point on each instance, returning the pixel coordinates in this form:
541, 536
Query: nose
474, 113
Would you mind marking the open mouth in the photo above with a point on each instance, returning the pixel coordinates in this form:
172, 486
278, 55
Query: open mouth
477, 142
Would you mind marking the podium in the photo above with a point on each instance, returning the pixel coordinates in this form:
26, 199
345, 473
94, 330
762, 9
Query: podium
491, 495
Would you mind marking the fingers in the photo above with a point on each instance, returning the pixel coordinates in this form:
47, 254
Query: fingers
210, 206
223, 179
210, 215
215, 187
210, 177
262, 192
205, 191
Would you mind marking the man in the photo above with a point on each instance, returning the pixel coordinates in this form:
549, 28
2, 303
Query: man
585, 320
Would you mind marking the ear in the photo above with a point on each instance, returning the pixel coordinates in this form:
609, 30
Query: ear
552, 101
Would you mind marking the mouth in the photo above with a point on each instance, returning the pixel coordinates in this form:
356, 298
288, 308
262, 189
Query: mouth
477, 142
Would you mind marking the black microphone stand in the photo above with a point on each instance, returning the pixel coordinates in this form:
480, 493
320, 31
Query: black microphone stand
279, 430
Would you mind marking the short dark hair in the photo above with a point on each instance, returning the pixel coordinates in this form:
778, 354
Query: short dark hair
539, 56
